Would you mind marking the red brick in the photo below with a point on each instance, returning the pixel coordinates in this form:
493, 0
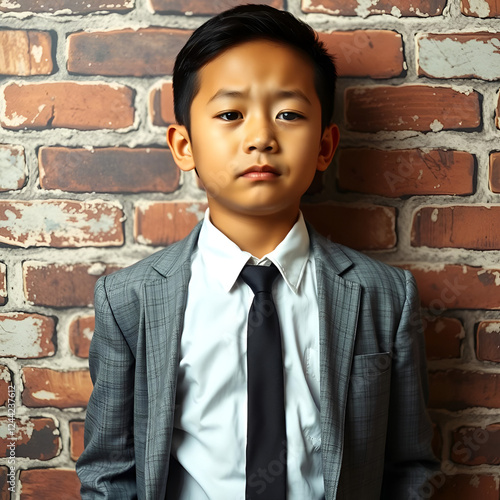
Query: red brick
36, 438
81, 330
12, 168
360, 53
112, 170
364, 227
468, 55
46, 387
406, 172
62, 285
488, 341
3, 284
423, 8
82, 106
54, 483
483, 8
411, 107
76, 429
5, 383
443, 337
464, 487
458, 226
495, 172
25, 53
456, 390
162, 223
66, 7
150, 52
476, 446
161, 105
60, 223
202, 7
457, 287
27, 335
4, 486
497, 113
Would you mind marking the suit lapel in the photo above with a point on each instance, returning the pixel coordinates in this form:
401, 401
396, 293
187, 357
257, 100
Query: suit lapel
338, 302
165, 302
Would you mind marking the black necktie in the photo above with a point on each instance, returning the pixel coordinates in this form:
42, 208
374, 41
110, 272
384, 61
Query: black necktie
266, 432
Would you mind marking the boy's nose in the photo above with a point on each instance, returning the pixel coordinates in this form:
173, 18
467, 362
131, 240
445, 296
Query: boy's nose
260, 137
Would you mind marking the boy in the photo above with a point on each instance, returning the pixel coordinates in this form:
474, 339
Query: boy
185, 405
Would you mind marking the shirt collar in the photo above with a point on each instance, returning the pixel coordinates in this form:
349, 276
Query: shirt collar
224, 260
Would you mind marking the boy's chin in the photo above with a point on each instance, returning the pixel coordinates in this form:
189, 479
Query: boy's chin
256, 210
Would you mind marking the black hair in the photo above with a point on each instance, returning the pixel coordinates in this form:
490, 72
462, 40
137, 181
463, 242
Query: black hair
243, 24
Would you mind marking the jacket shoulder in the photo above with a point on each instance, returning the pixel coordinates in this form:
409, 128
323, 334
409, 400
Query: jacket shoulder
355, 266
384, 287
371, 269
140, 271
125, 284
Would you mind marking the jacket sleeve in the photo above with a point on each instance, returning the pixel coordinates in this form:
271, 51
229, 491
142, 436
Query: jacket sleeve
409, 460
106, 468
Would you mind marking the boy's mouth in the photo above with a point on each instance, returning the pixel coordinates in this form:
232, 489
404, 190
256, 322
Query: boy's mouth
262, 172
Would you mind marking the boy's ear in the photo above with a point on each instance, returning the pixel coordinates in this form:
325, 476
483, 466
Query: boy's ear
328, 146
180, 145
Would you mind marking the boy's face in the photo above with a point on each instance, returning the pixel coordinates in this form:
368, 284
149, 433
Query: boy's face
256, 138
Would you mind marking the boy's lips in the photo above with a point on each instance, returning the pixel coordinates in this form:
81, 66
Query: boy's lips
261, 172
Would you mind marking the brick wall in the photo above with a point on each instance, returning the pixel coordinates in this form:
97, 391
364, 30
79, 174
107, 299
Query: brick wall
88, 186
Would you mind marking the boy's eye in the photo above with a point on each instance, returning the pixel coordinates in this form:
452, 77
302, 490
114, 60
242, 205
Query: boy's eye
230, 116
289, 116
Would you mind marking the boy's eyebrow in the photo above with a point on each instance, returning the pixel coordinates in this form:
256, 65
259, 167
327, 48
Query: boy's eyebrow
226, 93
281, 94
297, 94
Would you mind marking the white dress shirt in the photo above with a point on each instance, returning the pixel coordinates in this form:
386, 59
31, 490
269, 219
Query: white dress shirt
209, 437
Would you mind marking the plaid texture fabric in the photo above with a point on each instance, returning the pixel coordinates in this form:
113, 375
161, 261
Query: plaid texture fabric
375, 430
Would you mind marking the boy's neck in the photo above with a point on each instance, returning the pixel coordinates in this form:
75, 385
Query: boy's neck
258, 235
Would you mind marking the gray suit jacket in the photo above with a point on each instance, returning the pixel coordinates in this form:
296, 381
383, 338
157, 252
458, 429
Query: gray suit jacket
374, 426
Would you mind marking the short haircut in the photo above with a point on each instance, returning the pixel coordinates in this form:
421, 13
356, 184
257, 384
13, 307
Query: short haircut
243, 24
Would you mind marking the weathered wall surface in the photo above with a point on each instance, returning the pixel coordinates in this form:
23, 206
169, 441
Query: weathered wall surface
87, 186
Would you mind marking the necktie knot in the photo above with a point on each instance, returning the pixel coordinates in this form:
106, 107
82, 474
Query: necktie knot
259, 278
